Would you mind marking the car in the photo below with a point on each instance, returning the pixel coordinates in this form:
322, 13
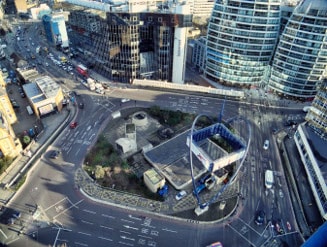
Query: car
46, 64
289, 123
11, 221
222, 205
55, 154
81, 105
16, 214
125, 100
181, 195
73, 125
15, 105
288, 226
22, 95
266, 145
65, 102
260, 217
216, 244
281, 194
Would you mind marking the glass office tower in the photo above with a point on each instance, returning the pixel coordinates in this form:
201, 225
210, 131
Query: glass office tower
241, 40
301, 56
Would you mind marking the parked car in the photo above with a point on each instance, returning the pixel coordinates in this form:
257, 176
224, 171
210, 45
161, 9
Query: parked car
16, 214
260, 217
81, 105
181, 195
289, 123
54, 154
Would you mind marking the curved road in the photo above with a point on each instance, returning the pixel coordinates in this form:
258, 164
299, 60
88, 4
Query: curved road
55, 212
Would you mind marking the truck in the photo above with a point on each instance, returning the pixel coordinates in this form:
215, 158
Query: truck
82, 70
90, 83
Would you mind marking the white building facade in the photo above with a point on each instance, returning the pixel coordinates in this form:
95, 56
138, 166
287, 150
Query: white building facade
241, 40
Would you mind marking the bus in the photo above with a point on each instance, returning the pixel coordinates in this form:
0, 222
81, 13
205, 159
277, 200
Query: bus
82, 70
269, 179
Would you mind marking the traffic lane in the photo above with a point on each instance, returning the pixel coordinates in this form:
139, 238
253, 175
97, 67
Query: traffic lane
124, 226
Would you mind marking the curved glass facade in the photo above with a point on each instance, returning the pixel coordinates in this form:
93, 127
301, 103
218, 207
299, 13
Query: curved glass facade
301, 56
241, 40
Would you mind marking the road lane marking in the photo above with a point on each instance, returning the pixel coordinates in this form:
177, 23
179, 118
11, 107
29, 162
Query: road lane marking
128, 221
106, 227
84, 233
125, 232
108, 216
108, 239
129, 227
89, 211
144, 236
87, 222
168, 230
78, 243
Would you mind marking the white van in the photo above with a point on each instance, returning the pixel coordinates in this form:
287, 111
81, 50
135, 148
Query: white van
269, 179
29, 110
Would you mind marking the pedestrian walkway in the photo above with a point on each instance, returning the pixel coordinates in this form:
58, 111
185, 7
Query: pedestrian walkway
18, 169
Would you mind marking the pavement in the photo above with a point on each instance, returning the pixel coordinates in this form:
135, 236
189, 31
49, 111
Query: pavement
53, 125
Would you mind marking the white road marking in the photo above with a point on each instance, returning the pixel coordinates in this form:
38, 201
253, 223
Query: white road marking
84, 233
108, 216
105, 238
106, 227
78, 243
144, 236
128, 221
125, 232
87, 222
89, 211
168, 230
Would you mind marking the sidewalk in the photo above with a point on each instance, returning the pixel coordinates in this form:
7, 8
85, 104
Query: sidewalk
52, 125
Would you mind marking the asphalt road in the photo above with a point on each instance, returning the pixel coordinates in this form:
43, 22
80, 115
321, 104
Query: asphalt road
78, 221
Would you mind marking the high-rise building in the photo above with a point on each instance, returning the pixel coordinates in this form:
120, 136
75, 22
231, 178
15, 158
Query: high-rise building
241, 40
317, 114
134, 45
300, 59
55, 30
10, 145
311, 142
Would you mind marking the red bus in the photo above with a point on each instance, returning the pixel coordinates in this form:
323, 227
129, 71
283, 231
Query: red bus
82, 70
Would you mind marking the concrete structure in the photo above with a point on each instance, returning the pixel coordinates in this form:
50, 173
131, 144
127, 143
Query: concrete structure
317, 114
241, 41
201, 9
44, 95
39, 12
300, 59
21, 6
27, 75
134, 43
153, 180
199, 53
312, 150
55, 30
126, 145
10, 145
311, 142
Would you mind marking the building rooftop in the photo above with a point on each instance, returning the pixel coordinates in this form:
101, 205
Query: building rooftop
318, 147
43, 88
